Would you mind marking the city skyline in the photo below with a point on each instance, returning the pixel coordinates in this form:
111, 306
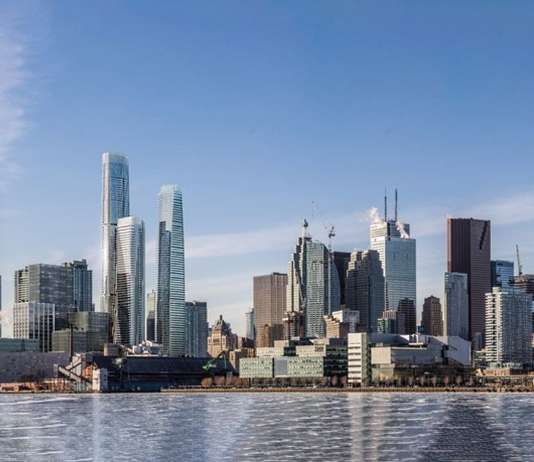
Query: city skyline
415, 132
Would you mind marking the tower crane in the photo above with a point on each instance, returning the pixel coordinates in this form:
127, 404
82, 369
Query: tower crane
519, 266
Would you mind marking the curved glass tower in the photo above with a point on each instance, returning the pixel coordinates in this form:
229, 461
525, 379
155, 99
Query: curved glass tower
115, 205
171, 315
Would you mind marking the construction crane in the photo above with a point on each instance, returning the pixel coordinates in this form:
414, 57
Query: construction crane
331, 234
519, 266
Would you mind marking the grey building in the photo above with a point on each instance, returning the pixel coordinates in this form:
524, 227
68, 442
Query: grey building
35, 321
171, 314
365, 288
95, 324
456, 307
508, 328
115, 205
82, 285
502, 273
341, 262
150, 311
249, 323
197, 329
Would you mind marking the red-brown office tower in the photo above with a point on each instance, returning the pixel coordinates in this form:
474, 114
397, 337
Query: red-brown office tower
269, 307
469, 252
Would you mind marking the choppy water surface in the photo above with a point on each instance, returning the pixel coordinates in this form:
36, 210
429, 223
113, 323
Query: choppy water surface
269, 427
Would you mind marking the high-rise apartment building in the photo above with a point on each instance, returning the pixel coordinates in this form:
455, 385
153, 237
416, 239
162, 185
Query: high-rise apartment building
456, 306
502, 273
469, 252
128, 319
150, 316
365, 288
508, 327
397, 250
171, 314
432, 318
34, 320
313, 289
115, 205
269, 294
197, 329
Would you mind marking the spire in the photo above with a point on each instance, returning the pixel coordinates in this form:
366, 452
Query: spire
385, 205
396, 205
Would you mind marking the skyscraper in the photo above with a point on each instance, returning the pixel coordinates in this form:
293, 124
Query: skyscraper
341, 262
432, 319
406, 317
508, 327
171, 315
34, 320
469, 250
128, 319
82, 285
313, 287
365, 288
150, 316
502, 273
115, 205
197, 329
250, 319
269, 294
397, 250
456, 307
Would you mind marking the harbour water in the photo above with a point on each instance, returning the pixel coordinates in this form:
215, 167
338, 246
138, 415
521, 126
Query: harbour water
268, 427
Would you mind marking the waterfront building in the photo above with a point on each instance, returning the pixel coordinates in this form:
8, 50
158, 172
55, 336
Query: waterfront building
34, 320
115, 205
197, 329
502, 273
128, 320
359, 359
171, 314
469, 252
456, 312
313, 289
150, 323
95, 324
269, 294
397, 251
17, 345
432, 318
341, 262
222, 339
508, 327
250, 324
365, 288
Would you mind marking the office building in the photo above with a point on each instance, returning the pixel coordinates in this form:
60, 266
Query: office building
197, 329
387, 323
406, 317
508, 328
365, 288
313, 289
171, 314
341, 323
269, 294
524, 282
432, 318
341, 262
222, 339
456, 308
128, 320
82, 285
115, 205
150, 316
502, 273
469, 252
359, 359
397, 251
34, 320
250, 324
96, 326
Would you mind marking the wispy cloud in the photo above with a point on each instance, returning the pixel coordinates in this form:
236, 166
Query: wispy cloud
14, 75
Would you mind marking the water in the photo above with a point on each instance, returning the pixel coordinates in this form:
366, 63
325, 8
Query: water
267, 427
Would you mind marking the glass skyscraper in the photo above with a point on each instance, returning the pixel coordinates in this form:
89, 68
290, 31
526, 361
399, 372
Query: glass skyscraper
115, 205
171, 314
129, 317
502, 273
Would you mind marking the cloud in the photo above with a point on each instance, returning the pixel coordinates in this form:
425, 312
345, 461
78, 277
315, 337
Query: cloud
14, 76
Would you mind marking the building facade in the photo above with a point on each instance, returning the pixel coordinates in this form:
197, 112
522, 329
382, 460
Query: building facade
432, 317
508, 328
115, 205
365, 288
82, 285
171, 314
341, 262
502, 273
222, 339
469, 252
197, 329
34, 321
150, 316
269, 294
250, 324
128, 319
456, 309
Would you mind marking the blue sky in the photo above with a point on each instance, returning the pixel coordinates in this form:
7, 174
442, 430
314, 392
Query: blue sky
258, 110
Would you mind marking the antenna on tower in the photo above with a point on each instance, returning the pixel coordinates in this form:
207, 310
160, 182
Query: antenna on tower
396, 204
385, 205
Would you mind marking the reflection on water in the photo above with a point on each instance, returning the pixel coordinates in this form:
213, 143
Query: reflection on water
269, 427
